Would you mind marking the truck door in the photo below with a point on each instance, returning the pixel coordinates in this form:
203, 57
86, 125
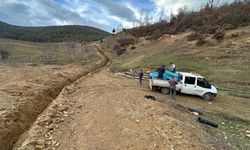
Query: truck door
189, 85
202, 86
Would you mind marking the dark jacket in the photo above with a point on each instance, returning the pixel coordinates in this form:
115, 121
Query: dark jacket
140, 74
161, 70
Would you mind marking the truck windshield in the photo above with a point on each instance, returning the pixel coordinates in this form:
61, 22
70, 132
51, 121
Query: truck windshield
202, 82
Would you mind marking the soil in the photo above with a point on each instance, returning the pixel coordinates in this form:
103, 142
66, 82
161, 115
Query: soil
65, 110
26, 91
104, 111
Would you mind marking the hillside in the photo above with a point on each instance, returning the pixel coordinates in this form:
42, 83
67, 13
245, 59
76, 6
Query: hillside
45, 53
224, 63
51, 33
210, 19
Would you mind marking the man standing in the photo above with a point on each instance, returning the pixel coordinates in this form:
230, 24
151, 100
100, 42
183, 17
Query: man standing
140, 76
172, 84
161, 71
172, 67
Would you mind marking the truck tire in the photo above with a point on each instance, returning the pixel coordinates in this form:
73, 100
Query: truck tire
165, 90
208, 96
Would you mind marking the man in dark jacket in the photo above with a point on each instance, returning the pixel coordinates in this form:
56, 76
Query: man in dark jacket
161, 71
140, 76
172, 84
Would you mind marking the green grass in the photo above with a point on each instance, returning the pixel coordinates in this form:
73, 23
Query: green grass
229, 74
231, 130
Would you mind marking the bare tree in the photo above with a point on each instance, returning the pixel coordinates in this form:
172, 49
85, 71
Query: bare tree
162, 15
145, 17
119, 28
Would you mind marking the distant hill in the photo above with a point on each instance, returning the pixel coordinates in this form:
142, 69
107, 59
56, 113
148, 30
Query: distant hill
51, 33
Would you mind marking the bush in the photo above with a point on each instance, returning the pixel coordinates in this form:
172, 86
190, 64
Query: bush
4, 54
127, 41
219, 36
194, 36
119, 50
201, 41
156, 34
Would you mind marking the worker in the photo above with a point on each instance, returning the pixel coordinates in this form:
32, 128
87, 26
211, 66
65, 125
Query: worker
161, 71
172, 83
140, 76
172, 67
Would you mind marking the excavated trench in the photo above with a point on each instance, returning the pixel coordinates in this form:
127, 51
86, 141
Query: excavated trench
33, 98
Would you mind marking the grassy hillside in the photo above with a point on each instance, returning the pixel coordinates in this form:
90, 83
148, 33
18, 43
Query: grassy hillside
51, 33
48, 53
225, 63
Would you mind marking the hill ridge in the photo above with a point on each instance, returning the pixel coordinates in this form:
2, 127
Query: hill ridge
51, 33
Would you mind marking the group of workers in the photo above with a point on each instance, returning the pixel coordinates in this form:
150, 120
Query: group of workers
161, 70
172, 81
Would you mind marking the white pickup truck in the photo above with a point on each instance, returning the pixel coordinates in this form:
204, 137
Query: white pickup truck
189, 83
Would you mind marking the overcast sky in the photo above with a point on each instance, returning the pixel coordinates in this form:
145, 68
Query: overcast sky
103, 14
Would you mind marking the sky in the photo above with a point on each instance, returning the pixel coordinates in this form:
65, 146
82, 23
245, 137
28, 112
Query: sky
103, 14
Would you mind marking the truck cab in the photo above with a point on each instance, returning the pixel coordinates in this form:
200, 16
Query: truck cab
195, 84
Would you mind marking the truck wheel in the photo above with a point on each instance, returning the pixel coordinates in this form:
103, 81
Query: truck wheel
208, 96
165, 90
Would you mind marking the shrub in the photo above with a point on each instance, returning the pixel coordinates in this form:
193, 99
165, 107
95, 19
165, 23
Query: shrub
156, 34
119, 50
4, 54
201, 41
193, 37
127, 41
219, 36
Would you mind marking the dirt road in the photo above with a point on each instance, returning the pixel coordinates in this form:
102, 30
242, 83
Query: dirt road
103, 111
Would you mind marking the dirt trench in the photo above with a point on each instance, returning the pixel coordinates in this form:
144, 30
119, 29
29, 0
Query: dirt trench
31, 97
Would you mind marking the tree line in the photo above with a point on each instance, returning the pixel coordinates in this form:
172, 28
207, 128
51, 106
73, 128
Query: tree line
52, 33
211, 18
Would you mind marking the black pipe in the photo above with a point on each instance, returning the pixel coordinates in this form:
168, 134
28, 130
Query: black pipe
208, 122
195, 110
